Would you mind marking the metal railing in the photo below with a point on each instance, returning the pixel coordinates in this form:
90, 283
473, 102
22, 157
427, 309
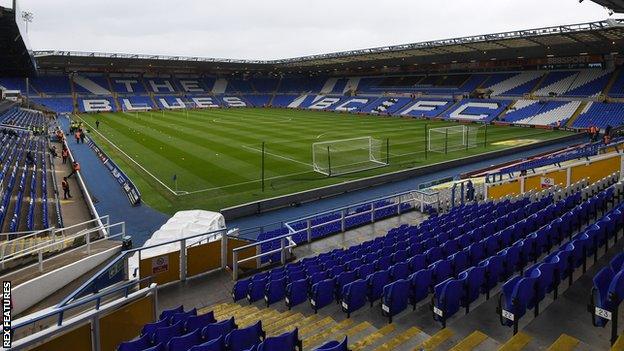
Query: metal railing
58, 319
77, 241
127, 254
416, 199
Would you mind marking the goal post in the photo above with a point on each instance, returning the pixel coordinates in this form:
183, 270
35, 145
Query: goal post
337, 157
446, 139
136, 109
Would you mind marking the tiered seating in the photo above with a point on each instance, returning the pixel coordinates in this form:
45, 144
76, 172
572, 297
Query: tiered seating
552, 112
525, 291
258, 100
22, 181
51, 85
514, 85
179, 330
383, 106
58, 105
477, 110
557, 82
601, 115
365, 273
589, 82
617, 90
24, 119
426, 108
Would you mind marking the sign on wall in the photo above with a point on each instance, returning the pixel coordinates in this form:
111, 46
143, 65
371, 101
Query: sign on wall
160, 264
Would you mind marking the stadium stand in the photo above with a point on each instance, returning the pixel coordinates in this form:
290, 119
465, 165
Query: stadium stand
600, 115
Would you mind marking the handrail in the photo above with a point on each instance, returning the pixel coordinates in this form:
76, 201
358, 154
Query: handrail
125, 254
58, 310
346, 212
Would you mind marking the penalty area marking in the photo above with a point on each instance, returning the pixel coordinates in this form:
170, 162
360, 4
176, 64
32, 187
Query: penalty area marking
276, 155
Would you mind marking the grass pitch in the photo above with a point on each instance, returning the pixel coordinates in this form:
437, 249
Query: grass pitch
216, 158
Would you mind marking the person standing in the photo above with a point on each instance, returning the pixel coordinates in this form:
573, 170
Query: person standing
82, 136
75, 169
97, 124
65, 154
65, 186
77, 136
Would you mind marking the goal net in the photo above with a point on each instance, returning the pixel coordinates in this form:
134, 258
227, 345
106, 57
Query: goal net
136, 109
453, 138
344, 156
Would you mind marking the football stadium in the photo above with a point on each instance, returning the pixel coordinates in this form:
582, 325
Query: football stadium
463, 192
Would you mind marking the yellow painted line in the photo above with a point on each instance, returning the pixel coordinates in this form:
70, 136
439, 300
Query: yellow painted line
619, 344
286, 322
299, 324
358, 329
360, 345
470, 342
263, 315
317, 338
435, 340
275, 317
564, 343
517, 342
214, 308
399, 339
317, 326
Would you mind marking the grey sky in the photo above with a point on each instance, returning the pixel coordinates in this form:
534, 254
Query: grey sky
271, 29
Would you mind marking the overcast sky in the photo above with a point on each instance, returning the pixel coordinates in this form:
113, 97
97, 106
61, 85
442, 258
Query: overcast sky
254, 29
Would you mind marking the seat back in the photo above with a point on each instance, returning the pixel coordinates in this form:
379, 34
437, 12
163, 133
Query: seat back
199, 322
215, 330
185, 342
217, 344
376, 282
243, 339
395, 297
284, 342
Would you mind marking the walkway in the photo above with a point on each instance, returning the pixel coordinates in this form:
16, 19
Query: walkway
109, 198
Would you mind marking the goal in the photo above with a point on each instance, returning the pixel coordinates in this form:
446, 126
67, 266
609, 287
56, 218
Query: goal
453, 138
344, 156
136, 109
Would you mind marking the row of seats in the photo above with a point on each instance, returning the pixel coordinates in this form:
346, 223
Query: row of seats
360, 273
179, 330
330, 224
525, 291
455, 293
16, 171
24, 118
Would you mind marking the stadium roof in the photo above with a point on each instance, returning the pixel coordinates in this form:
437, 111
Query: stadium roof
615, 5
15, 56
595, 38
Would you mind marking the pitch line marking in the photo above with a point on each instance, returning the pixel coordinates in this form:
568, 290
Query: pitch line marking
276, 155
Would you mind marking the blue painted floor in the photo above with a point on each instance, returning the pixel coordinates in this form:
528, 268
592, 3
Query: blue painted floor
270, 219
110, 199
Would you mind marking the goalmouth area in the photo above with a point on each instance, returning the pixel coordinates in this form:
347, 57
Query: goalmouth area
213, 159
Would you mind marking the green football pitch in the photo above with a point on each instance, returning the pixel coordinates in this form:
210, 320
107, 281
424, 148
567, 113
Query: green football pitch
216, 155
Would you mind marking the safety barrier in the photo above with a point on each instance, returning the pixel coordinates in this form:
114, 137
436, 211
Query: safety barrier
98, 322
591, 169
303, 227
62, 239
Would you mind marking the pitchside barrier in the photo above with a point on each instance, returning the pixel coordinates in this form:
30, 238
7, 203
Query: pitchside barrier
592, 170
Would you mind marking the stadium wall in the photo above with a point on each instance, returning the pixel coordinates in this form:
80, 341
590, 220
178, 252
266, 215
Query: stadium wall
261, 206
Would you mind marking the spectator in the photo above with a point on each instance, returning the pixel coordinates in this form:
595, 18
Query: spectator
75, 169
82, 136
29, 158
53, 151
77, 136
65, 186
65, 154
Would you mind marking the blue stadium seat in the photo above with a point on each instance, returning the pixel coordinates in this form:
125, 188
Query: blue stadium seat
399, 271
296, 293
447, 299
182, 316
322, 294
420, 285
165, 334
376, 283
150, 328
185, 342
217, 344
395, 298
215, 330
138, 344
275, 291
239, 290
334, 346
166, 314
243, 339
199, 322
256, 289
353, 296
